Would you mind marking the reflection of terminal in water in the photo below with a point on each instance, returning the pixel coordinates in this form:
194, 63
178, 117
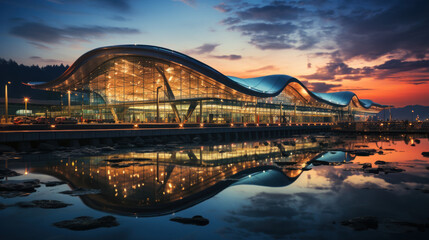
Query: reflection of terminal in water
154, 183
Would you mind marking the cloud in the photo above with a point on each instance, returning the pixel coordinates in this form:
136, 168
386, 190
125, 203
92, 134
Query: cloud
265, 68
40, 46
418, 81
396, 27
268, 35
118, 18
210, 47
230, 21
398, 65
61, 5
276, 25
322, 87
122, 5
275, 11
222, 7
353, 89
191, 3
205, 48
365, 29
338, 68
228, 57
42, 33
44, 60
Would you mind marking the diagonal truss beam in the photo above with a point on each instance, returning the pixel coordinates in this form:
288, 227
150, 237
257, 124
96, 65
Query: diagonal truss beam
191, 109
169, 93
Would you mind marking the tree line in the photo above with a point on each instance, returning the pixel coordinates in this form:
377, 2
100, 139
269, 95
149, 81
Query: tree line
17, 74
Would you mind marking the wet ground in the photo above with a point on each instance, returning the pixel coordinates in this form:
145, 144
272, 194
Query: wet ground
305, 187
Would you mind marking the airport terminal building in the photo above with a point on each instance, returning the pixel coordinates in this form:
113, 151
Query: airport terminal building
147, 84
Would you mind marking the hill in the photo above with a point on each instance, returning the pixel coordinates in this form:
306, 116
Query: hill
405, 113
17, 74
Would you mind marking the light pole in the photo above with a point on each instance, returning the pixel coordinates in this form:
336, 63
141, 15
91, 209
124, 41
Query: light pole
68, 97
26, 101
157, 103
6, 102
412, 115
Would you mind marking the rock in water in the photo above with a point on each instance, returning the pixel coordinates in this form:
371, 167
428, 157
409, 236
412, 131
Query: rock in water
361, 223
18, 188
53, 183
51, 204
362, 153
87, 223
20, 185
195, 220
12, 194
372, 170
379, 162
5, 172
425, 154
366, 165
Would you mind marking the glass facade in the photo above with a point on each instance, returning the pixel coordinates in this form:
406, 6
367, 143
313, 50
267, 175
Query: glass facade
146, 89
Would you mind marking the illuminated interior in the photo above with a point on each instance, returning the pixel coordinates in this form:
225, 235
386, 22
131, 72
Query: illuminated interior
146, 84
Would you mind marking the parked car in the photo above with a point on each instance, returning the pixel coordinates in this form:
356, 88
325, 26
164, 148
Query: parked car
23, 120
65, 120
44, 120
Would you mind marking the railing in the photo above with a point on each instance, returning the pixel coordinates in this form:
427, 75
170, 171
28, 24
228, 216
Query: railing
12, 127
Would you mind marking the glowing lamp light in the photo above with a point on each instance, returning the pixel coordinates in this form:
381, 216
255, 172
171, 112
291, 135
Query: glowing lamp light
232, 124
53, 126
136, 125
181, 125
201, 124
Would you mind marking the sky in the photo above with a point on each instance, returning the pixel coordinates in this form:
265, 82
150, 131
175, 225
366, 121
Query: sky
378, 49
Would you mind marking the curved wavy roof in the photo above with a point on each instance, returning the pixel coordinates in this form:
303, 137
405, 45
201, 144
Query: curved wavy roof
265, 86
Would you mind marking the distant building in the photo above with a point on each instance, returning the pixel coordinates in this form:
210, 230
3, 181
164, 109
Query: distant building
140, 83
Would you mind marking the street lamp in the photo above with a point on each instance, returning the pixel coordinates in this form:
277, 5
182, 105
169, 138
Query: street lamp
412, 115
157, 103
68, 97
6, 102
25, 101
